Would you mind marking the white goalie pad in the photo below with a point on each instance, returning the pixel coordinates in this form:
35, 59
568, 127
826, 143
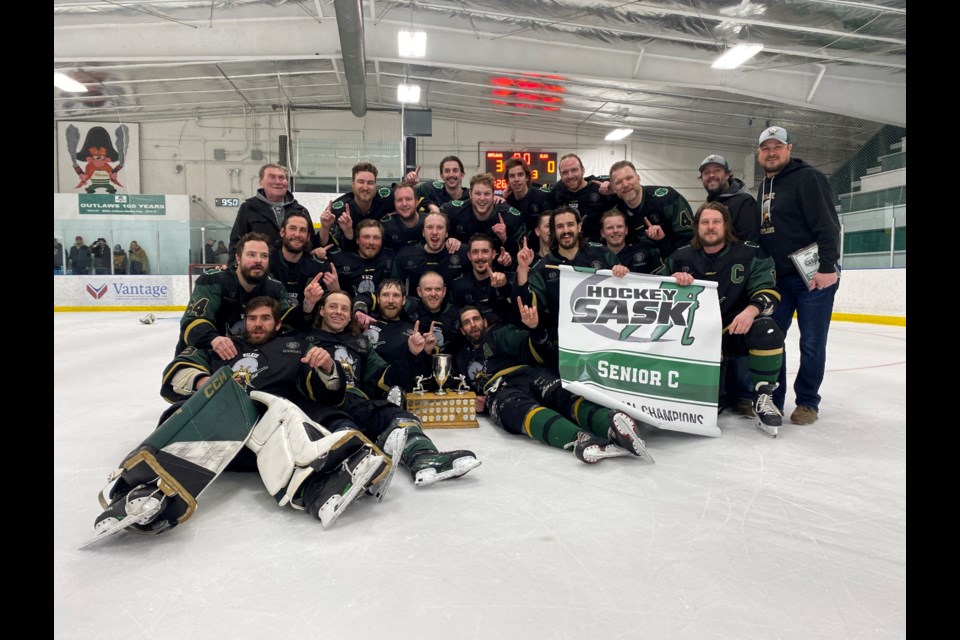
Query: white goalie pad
284, 448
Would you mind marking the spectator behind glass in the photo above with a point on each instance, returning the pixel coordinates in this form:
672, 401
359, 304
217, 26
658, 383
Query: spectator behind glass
120, 263
139, 265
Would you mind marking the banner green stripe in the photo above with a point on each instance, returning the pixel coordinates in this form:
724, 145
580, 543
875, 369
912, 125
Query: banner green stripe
638, 374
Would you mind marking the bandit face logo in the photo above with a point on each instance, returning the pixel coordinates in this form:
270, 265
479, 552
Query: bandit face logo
97, 292
634, 312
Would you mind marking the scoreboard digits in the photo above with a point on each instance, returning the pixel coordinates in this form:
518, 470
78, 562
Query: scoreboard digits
543, 166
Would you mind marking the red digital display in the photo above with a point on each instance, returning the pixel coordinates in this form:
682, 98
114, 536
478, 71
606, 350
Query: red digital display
543, 166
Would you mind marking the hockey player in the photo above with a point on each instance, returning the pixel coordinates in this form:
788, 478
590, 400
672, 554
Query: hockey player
482, 286
570, 248
481, 214
586, 195
503, 365
438, 253
659, 213
215, 310
433, 195
360, 273
523, 195
363, 201
364, 370
300, 462
431, 308
404, 226
292, 265
390, 327
745, 278
640, 257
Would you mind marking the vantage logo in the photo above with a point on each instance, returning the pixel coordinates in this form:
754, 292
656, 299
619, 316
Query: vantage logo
632, 312
97, 292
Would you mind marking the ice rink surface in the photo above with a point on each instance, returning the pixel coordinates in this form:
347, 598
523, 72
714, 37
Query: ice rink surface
735, 537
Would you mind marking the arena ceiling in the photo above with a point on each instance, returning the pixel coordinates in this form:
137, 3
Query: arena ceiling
831, 69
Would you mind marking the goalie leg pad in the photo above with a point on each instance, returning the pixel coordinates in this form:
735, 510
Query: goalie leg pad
291, 447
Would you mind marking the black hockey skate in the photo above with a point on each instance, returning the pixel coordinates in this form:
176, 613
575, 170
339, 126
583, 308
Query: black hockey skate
327, 495
592, 449
769, 417
428, 467
625, 433
136, 510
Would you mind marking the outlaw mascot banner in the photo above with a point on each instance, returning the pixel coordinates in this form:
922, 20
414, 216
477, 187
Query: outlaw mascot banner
643, 344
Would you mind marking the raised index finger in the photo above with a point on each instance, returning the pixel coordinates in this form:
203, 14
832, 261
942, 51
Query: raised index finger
317, 277
646, 220
416, 327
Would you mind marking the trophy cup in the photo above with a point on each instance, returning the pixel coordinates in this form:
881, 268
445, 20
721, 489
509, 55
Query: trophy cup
441, 409
442, 366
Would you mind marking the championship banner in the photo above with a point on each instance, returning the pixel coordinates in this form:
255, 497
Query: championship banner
642, 344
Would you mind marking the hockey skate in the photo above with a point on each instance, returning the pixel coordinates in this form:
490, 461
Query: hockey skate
428, 467
326, 496
137, 508
592, 449
625, 433
393, 447
769, 417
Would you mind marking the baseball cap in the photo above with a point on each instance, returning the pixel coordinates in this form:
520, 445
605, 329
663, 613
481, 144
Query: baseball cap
777, 133
714, 158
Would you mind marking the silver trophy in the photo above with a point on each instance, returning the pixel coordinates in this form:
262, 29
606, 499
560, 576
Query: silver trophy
419, 388
462, 387
442, 366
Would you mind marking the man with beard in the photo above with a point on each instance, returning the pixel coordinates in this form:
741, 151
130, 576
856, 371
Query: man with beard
586, 195
431, 309
658, 213
404, 226
722, 187
745, 278
797, 209
438, 253
483, 287
365, 372
390, 328
433, 195
503, 365
360, 273
322, 484
364, 201
640, 257
216, 308
264, 213
480, 214
292, 265
529, 199
568, 248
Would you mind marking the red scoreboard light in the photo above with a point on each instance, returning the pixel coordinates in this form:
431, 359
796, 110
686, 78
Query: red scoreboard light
543, 166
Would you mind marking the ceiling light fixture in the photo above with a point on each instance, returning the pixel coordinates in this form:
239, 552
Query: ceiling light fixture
736, 56
66, 83
408, 93
618, 134
412, 44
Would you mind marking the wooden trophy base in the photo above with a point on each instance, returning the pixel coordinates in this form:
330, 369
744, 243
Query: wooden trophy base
449, 411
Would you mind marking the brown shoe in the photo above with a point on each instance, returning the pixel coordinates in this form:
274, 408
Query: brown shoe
803, 415
743, 407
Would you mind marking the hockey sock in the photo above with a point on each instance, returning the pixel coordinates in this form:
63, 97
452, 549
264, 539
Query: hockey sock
417, 441
592, 417
546, 425
764, 365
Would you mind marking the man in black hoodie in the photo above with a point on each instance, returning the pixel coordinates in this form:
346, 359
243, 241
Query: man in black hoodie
264, 212
798, 209
722, 187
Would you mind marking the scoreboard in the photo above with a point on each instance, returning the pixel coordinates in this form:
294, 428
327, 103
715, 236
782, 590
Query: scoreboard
543, 166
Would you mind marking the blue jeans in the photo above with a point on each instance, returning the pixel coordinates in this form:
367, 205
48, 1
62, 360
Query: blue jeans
814, 309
